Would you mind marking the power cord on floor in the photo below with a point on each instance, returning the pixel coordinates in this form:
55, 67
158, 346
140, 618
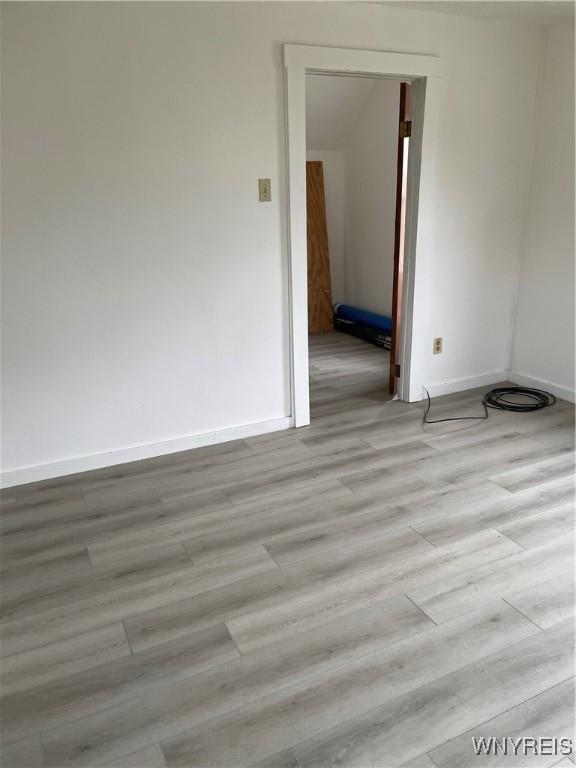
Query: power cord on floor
499, 399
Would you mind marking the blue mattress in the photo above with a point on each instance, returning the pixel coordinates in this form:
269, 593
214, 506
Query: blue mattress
371, 319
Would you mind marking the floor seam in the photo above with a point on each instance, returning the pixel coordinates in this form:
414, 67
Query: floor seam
522, 614
127, 637
241, 653
421, 610
417, 532
507, 536
505, 711
366, 713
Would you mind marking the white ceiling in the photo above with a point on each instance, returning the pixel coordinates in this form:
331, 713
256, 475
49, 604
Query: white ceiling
521, 11
333, 105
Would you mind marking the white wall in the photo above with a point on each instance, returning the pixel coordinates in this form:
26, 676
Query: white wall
543, 347
333, 105
144, 286
371, 155
352, 126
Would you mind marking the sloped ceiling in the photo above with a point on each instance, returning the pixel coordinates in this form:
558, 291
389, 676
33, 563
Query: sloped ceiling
333, 105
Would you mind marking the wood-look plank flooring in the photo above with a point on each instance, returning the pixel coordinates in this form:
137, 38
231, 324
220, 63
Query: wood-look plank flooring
366, 591
343, 368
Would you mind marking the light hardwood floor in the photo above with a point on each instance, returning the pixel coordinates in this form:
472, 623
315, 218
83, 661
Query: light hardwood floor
367, 591
343, 368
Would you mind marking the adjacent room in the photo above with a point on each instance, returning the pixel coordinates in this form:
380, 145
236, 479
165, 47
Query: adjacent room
352, 135
287, 384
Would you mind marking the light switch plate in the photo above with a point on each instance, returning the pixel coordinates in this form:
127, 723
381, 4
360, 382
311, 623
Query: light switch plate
264, 190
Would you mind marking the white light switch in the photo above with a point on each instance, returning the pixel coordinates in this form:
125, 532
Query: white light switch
264, 190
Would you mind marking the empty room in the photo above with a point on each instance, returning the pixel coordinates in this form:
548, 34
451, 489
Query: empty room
287, 384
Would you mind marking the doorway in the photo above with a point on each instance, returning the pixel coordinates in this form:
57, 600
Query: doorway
423, 72
356, 136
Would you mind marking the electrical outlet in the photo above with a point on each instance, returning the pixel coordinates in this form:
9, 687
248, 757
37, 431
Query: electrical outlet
438, 345
264, 190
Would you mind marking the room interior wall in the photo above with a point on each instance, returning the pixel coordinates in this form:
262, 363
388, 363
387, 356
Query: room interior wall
145, 288
352, 126
371, 154
543, 342
333, 104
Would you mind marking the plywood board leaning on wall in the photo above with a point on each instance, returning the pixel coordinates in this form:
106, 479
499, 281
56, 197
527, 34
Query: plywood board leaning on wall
319, 286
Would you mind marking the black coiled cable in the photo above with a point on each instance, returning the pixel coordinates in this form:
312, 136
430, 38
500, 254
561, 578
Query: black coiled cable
499, 399
535, 399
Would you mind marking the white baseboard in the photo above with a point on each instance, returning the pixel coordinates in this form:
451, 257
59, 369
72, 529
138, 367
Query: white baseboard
459, 385
523, 380
33, 474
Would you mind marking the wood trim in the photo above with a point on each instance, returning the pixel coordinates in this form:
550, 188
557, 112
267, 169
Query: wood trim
403, 118
349, 61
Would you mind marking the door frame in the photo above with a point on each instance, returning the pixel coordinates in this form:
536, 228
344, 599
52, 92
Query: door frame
423, 72
400, 214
